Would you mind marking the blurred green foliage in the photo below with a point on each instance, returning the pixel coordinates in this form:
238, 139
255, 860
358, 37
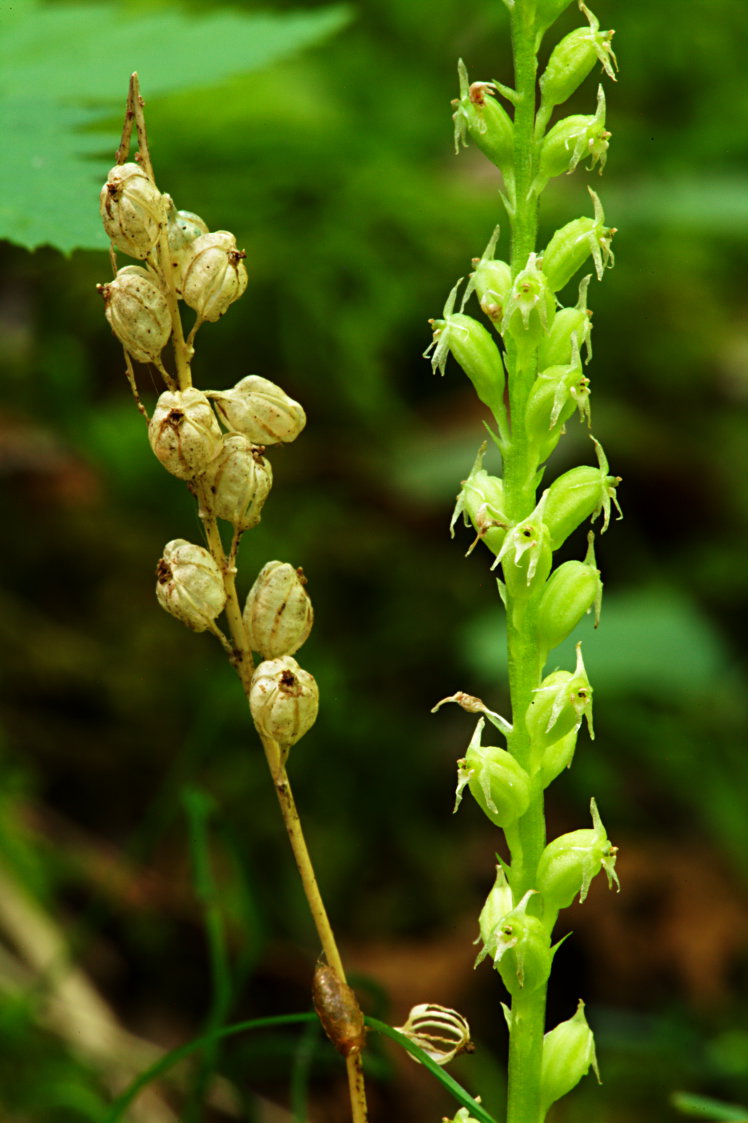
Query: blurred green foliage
336, 172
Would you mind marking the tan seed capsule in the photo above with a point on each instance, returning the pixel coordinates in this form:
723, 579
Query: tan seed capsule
238, 482
189, 584
184, 432
278, 613
132, 210
215, 275
137, 312
260, 410
183, 229
283, 700
338, 1009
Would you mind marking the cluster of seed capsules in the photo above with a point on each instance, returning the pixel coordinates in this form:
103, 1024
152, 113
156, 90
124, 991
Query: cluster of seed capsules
214, 440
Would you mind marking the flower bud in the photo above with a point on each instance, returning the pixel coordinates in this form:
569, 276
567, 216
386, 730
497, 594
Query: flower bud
521, 949
283, 700
557, 757
530, 305
474, 350
481, 117
183, 432
579, 494
183, 229
526, 554
189, 584
570, 862
573, 59
132, 210
260, 410
492, 281
278, 613
569, 325
568, 1055
570, 247
570, 592
481, 501
215, 275
238, 481
560, 703
138, 313
575, 139
554, 396
497, 781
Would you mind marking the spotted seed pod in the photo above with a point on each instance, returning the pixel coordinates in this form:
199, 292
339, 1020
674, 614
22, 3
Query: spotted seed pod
283, 700
238, 480
183, 229
189, 584
133, 210
138, 313
215, 275
183, 432
260, 410
278, 613
338, 1010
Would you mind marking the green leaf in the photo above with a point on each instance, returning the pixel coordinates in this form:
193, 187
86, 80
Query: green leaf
65, 68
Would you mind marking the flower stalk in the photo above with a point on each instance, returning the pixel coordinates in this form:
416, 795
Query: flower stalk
216, 442
540, 341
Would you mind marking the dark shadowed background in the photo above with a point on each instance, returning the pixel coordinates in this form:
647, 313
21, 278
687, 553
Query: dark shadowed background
124, 738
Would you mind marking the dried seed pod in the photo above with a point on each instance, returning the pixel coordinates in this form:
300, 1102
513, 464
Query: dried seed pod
338, 1009
183, 229
238, 479
184, 432
260, 410
278, 614
441, 1032
283, 699
138, 313
214, 276
189, 584
132, 209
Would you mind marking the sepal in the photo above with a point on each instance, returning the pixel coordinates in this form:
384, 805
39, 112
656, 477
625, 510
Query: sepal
530, 304
521, 949
526, 554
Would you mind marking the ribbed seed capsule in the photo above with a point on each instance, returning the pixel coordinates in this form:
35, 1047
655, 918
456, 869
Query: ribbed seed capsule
183, 229
132, 210
278, 613
570, 247
238, 481
283, 700
570, 862
568, 1055
215, 275
138, 313
183, 432
573, 59
480, 116
497, 781
189, 584
260, 410
561, 701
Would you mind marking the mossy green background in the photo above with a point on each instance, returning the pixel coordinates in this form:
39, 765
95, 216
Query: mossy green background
337, 174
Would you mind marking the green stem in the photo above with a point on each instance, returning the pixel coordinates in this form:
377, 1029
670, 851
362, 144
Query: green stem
527, 837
